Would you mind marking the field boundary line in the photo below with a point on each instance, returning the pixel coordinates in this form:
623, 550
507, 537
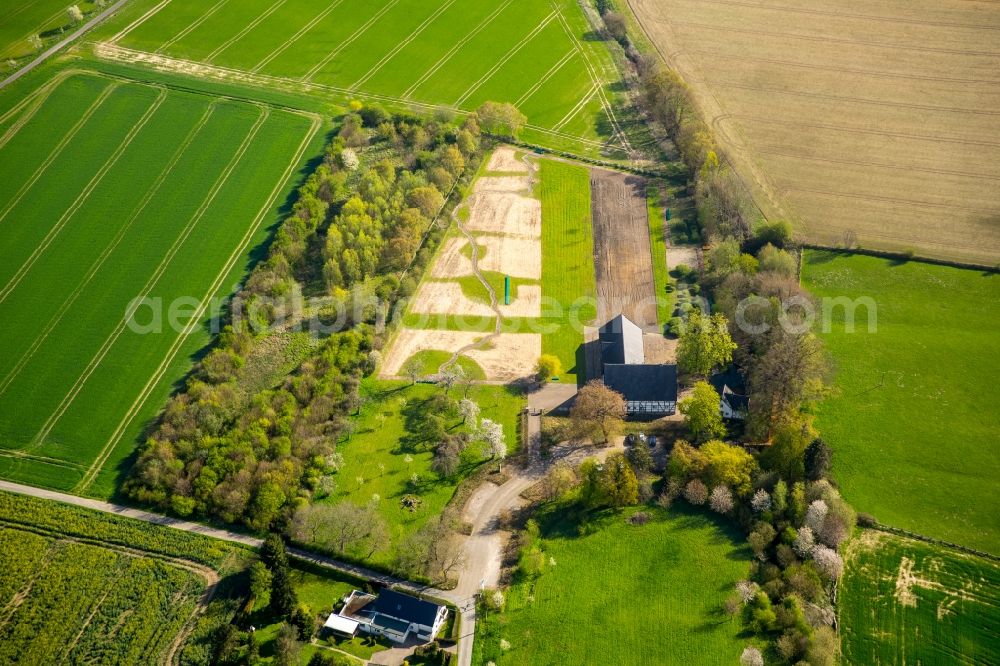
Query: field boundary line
96, 266
81, 198
350, 40
404, 43
898, 531
109, 341
246, 30
296, 37
455, 48
39, 97
545, 77
589, 95
191, 28
598, 80
46, 89
115, 53
47, 460
498, 65
139, 21
59, 147
195, 320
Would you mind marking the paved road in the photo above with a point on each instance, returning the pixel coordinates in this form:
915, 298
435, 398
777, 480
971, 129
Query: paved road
55, 48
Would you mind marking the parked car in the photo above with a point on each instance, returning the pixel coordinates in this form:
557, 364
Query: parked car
651, 441
630, 439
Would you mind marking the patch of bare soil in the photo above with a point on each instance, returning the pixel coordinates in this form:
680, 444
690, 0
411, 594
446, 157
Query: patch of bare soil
623, 259
509, 356
505, 159
447, 298
506, 213
514, 256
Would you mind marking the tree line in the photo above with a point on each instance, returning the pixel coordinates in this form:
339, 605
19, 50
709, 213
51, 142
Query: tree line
220, 451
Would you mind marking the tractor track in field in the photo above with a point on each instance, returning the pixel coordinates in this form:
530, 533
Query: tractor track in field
203, 305
82, 198
59, 147
403, 43
246, 30
115, 242
318, 67
109, 341
191, 28
270, 57
779, 152
455, 48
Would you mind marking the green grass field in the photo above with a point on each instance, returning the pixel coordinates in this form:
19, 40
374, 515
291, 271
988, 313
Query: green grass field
626, 594
458, 53
914, 425
21, 19
379, 458
164, 202
567, 259
906, 602
658, 231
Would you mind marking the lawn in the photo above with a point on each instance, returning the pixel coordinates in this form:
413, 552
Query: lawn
632, 594
567, 260
913, 425
905, 601
163, 203
381, 456
540, 56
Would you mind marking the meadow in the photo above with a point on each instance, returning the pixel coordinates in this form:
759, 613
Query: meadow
873, 124
381, 456
913, 431
904, 601
84, 587
144, 192
540, 56
632, 594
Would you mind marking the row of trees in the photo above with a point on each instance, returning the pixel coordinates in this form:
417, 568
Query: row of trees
224, 448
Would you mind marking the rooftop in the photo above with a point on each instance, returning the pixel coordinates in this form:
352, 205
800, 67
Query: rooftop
642, 382
621, 342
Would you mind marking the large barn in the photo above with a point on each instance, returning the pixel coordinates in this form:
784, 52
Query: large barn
650, 390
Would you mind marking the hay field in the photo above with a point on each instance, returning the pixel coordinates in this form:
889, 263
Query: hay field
908, 602
454, 53
113, 191
876, 123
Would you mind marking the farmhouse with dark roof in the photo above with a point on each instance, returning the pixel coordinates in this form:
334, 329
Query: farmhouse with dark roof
650, 390
392, 614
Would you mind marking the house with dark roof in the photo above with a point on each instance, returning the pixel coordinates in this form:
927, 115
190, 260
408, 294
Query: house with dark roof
392, 614
734, 403
650, 390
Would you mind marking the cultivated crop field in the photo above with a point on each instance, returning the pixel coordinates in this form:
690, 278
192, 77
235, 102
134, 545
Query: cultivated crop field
78, 586
453, 53
914, 433
113, 191
868, 122
632, 594
904, 601
21, 19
